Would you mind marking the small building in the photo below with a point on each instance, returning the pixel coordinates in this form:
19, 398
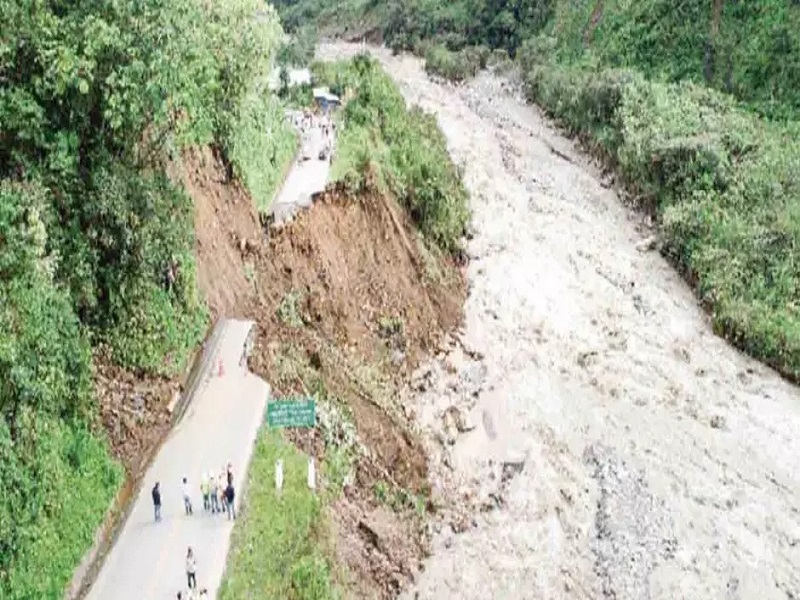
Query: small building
325, 100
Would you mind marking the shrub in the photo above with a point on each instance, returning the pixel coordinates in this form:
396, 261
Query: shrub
56, 477
262, 144
455, 66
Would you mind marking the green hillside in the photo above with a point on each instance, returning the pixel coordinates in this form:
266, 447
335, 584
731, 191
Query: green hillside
749, 49
97, 99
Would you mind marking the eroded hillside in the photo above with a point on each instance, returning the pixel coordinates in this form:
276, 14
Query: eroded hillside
348, 299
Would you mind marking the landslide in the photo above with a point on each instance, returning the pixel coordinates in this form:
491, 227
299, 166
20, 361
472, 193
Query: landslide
348, 300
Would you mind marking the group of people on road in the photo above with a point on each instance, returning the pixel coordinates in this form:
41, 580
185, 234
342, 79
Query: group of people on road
217, 492
308, 121
218, 496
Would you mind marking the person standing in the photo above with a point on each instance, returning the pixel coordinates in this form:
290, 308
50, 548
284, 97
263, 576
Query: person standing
222, 488
191, 569
214, 492
187, 499
157, 501
229, 497
205, 489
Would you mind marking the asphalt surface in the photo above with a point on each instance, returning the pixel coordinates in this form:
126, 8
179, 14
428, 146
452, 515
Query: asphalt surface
306, 178
147, 561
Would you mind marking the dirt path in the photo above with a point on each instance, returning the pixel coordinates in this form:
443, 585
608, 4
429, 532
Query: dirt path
644, 456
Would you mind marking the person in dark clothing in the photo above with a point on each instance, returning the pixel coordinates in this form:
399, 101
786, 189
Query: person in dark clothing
157, 501
229, 495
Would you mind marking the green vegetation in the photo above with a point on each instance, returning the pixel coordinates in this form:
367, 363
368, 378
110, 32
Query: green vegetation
299, 47
399, 499
329, 17
455, 66
96, 240
261, 145
404, 148
288, 311
749, 49
276, 548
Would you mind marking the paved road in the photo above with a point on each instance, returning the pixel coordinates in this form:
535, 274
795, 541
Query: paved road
221, 424
306, 178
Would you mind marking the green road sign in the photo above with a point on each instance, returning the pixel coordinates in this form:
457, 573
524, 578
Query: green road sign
292, 413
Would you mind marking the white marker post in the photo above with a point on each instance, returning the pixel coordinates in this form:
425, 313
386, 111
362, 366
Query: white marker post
312, 475
279, 475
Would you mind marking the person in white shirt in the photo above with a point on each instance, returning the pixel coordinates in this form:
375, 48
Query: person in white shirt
187, 499
191, 569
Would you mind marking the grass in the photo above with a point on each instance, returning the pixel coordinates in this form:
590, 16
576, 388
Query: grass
278, 545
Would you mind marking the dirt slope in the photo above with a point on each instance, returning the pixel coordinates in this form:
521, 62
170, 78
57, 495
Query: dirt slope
348, 301
643, 456
226, 230
352, 271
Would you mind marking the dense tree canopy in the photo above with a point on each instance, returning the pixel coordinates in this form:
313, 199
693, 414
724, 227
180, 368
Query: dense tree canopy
97, 97
750, 49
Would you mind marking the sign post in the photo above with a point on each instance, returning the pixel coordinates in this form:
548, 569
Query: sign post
293, 413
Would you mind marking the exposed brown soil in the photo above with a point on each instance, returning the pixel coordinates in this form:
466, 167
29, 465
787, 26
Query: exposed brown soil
226, 224
381, 551
356, 268
354, 263
351, 300
134, 412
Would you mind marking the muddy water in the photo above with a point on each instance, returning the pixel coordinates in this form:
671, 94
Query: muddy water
644, 457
